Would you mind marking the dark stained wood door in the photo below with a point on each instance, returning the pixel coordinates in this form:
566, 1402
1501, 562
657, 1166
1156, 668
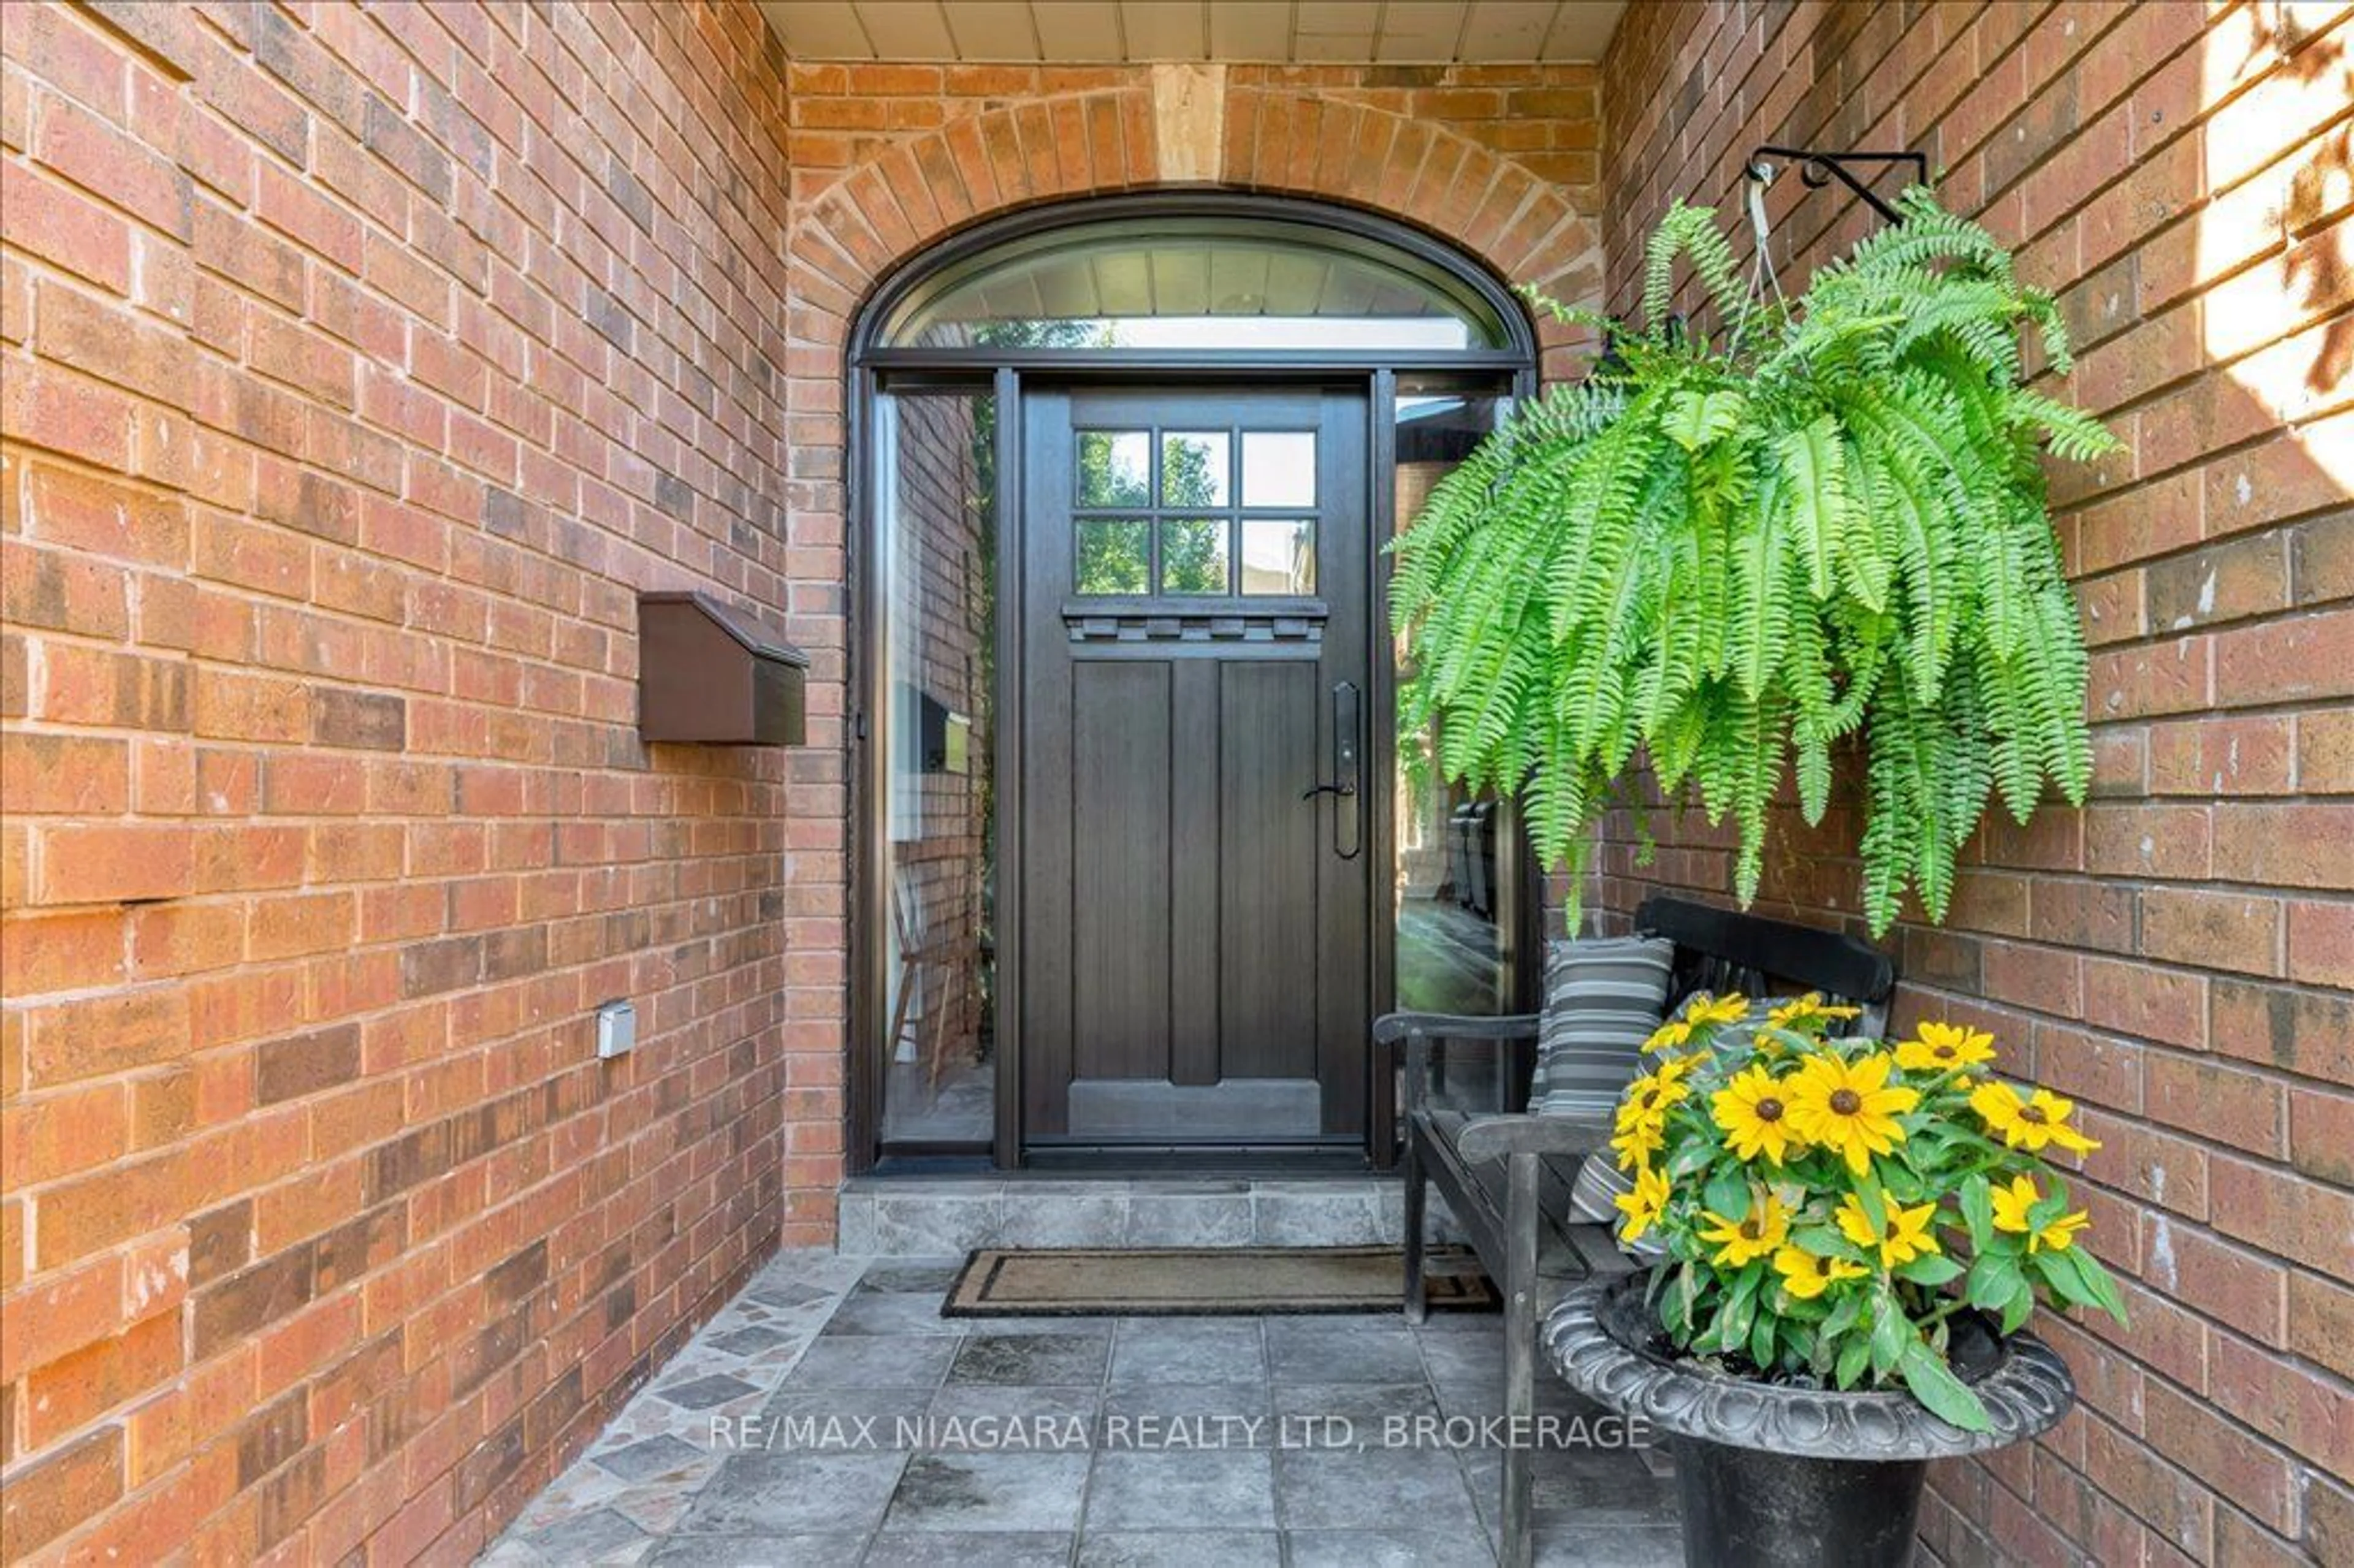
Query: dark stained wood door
1194, 805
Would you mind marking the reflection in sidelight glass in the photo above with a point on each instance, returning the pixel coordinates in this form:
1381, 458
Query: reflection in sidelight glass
937, 546
1115, 468
1278, 468
1192, 468
1114, 556
1278, 555
1193, 555
1460, 886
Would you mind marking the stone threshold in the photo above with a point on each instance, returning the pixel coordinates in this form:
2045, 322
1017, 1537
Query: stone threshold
930, 1216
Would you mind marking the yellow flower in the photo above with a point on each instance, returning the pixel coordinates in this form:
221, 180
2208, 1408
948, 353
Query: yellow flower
1645, 1107
2060, 1233
1806, 1275
2011, 1204
1906, 1238
1847, 1107
2030, 1123
1643, 1206
1806, 1010
1703, 1009
1636, 1146
1675, 1032
1761, 1231
1943, 1047
1754, 1109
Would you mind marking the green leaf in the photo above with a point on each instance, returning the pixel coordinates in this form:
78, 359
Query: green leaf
1696, 419
1727, 1194
1931, 1270
1890, 1330
1992, 1279
1978, 1211
1933, 1382
1815, 465
2020, 1308
1852, 1358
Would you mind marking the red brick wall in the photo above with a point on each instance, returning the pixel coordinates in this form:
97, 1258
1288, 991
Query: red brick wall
2180, 955
358, 366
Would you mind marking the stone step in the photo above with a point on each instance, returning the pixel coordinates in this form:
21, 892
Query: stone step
930, 1216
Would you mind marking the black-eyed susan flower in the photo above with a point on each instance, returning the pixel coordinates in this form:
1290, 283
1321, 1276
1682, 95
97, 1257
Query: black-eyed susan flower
1849, 1107
1645, 1105
1637, 1146
1754, 1109
1643, 1205
1808, 1009
2011, 1204
1704, 1009
1807, 1275
1945, 1048
2033, 1123
1739, 1242
1701, 1010
1906, 1238
1668, 1035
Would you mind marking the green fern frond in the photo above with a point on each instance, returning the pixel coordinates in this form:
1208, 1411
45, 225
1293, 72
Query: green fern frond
1721, 558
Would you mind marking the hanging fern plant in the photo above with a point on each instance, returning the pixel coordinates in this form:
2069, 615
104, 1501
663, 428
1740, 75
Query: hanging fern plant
1727, 554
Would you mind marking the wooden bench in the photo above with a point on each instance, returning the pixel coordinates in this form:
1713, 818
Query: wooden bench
1506, 1175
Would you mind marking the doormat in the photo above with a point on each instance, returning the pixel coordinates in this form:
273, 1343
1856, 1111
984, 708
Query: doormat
1148, 1282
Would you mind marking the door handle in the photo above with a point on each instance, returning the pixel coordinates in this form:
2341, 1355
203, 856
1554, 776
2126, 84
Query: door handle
1348, 825
1315, 789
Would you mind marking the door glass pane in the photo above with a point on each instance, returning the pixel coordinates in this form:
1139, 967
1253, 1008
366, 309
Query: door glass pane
1278, 555
1193, 555
937, 545
1192, 468
1278, 468
1115, 555
1460, 888
1115, 468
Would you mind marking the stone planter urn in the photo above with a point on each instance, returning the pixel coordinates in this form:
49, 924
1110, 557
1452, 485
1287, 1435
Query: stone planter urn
1771, 1475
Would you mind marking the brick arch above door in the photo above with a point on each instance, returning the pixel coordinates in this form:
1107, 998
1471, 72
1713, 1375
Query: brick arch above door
1432, 148
1191, 127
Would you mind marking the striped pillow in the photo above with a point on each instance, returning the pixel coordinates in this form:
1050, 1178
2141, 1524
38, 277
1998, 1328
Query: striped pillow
1600, 1182
1602, 1001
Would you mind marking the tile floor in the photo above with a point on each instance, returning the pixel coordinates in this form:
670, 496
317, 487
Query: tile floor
830, 1415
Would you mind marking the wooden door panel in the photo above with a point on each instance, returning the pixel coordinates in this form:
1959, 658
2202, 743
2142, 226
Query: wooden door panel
1120, 857
1194, 819
1266, 855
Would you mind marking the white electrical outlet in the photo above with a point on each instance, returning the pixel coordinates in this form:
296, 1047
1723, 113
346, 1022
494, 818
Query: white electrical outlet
617, 1029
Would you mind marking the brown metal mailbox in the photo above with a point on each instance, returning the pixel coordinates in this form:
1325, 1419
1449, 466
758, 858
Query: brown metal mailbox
709, 672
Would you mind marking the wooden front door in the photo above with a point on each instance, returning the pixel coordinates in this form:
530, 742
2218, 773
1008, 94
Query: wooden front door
1196, 808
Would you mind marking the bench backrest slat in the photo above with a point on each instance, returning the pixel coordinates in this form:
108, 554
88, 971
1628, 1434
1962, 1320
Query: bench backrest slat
1724, 950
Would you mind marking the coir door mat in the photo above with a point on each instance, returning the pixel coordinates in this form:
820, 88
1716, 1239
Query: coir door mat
1144, 1282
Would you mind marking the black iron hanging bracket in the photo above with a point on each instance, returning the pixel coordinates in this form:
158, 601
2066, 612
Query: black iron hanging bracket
1817, 170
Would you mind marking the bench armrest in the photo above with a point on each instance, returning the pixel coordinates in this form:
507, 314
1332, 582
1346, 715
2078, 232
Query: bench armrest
1392, 1027
1494, 1136
1423, 1030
